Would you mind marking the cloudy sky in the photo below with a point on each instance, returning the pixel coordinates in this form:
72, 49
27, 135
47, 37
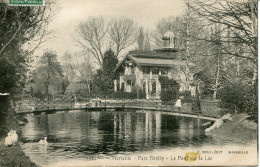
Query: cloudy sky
72, 12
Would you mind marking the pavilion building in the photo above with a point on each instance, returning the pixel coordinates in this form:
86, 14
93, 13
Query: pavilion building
143, 68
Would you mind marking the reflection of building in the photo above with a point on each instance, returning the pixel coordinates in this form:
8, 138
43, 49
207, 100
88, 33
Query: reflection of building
143, 68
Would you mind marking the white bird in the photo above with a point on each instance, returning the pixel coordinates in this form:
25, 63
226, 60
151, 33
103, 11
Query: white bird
43, 141
12, 138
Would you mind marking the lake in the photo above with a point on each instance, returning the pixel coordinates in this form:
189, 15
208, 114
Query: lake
78, 134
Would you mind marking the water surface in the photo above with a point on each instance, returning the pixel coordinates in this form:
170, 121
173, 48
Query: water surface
78, 134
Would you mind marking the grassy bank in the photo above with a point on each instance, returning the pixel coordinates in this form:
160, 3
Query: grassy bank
10, 156
240, 130
13, 156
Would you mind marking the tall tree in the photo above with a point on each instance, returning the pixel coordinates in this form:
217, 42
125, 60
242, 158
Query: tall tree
91, 36
84, 70
19, 26
187, 32
48, 76
140, 39
96, 35
105, 76
147, 44
123, 32
237, 17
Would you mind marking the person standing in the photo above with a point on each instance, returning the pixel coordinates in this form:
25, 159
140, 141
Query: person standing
178, 104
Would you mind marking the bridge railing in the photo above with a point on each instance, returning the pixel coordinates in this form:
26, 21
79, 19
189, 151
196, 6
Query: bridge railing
31, 104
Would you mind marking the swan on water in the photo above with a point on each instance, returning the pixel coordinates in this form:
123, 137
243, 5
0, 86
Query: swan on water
43, 141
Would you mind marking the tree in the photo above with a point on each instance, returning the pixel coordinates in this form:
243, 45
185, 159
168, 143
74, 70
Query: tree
91, 37
123, 32
96, 35
19, 26
161, 27
169, 89
187, 32
237, 17
105, 76
67, 62
147, 44
77, 68
48, 76
140, 39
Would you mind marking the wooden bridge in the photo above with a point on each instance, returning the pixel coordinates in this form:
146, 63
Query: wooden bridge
167, 111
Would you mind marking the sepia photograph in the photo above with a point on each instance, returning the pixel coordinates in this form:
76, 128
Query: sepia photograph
128, 83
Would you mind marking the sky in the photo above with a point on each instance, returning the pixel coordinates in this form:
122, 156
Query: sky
70, 13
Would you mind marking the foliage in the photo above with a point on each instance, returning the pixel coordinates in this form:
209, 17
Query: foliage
19, 25
103, 80
239, 97
135, 94
77, 88
186, 96
143, 40
140, 38
48, 77
205, 87
169, 89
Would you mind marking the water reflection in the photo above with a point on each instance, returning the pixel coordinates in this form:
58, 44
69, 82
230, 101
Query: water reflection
77, 134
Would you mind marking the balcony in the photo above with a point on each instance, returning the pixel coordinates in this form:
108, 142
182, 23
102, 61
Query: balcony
128, 77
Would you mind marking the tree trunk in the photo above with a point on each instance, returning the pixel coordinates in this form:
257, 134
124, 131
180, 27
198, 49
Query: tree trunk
254, 76
217, 80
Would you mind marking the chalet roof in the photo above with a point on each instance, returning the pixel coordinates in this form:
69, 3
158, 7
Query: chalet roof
155, 61
152, 59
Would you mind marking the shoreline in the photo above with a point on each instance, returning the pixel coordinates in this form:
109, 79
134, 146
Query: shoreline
240, 130
14, 156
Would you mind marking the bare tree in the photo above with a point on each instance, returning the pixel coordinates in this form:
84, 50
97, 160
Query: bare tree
77, 68
238, 17
97, 35
67, 66
91, 36
162, 26
84, 70
123, 32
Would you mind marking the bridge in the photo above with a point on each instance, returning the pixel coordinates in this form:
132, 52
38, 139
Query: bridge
113, 105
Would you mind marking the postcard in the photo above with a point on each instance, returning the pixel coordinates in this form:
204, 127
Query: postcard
128, 83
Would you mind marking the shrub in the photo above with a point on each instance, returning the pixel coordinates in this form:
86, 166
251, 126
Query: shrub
169, 89
239, 97
129, 95
187, 96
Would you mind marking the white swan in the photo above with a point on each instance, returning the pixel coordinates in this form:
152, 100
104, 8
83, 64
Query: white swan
43, 141
12, 138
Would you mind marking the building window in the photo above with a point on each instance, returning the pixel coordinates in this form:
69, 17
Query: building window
146, 70
155, 70
164, 71
144, 87
132, 70
153, 88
